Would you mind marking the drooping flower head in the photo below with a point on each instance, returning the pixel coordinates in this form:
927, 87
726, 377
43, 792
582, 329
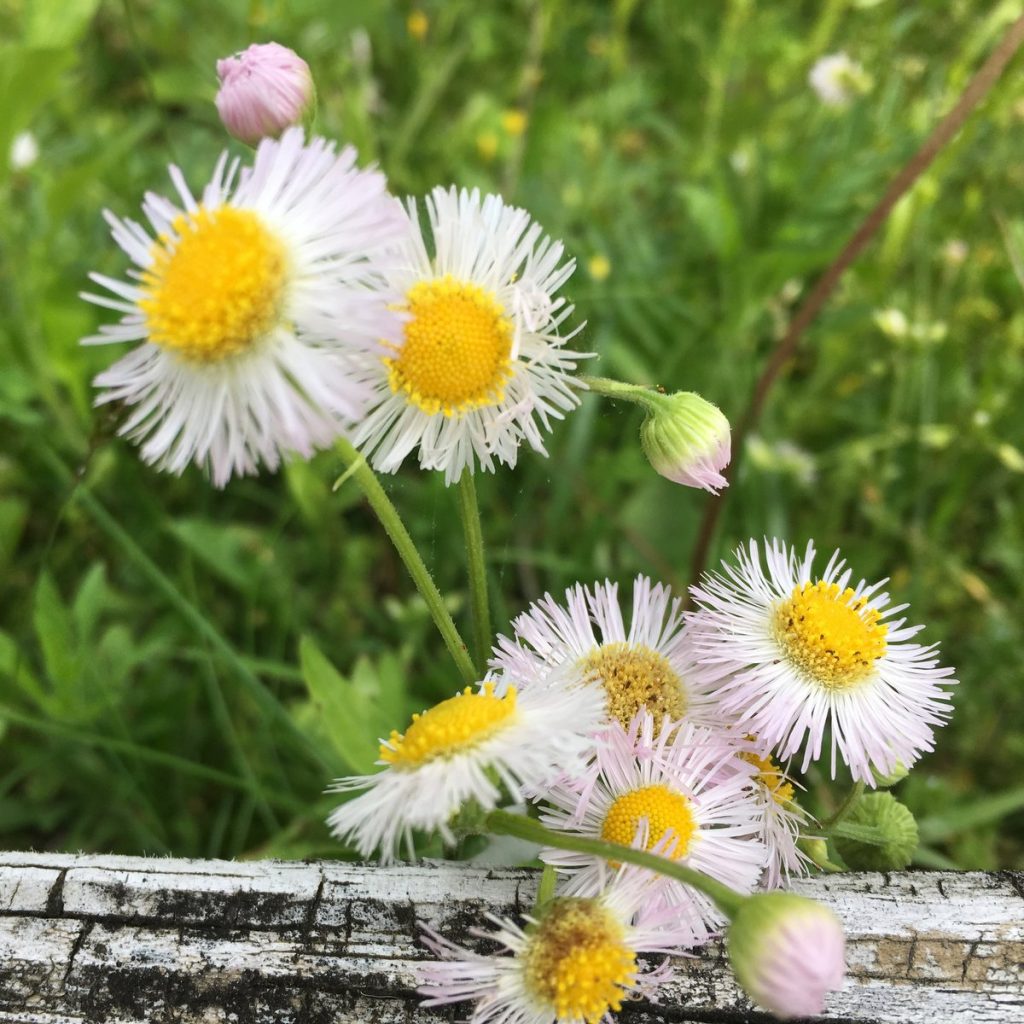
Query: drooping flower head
647, 665
787, 952
576, 961
263, 90
680, 790
249, 304
790, 655
481, 365
476, 746
687, 439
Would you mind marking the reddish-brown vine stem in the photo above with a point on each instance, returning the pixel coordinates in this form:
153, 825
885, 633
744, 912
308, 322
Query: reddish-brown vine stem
941, 136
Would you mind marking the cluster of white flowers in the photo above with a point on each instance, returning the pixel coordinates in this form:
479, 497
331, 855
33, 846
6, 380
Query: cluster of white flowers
669, 732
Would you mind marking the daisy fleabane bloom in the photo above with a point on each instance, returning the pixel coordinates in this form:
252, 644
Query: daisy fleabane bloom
476, 746
248, 305
647, 664
678, 790
481, 364
576, 960
782, 820
790, 655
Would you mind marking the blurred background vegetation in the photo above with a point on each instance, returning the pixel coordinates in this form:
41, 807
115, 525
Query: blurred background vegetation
182, 670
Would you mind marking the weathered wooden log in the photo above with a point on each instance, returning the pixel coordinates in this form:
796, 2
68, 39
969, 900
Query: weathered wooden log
117, 939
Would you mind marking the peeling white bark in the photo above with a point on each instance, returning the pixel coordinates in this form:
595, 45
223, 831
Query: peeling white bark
128, 939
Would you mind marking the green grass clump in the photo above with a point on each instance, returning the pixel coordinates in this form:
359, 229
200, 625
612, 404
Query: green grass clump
182, 670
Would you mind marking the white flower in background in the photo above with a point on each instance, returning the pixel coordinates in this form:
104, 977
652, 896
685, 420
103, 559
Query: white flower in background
481, 365
476, 746
681, 791
647, 665
24, 151
791, 655
248, 305
837, 79
955, 252
892, 322
575, 961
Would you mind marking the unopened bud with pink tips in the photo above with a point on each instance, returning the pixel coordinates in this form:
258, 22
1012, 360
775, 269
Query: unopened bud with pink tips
787, 952
264, 90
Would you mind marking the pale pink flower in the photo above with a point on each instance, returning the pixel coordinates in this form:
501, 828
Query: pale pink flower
263, 90
790, 655
679, 790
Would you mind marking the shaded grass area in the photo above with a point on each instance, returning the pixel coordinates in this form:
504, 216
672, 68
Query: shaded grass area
156, 691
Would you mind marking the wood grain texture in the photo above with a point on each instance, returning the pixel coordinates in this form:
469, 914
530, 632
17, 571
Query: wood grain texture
119, 939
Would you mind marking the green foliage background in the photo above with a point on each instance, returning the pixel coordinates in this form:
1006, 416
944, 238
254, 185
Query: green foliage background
182, 669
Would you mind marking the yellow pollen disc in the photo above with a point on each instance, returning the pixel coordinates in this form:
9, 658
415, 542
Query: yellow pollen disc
770, 775
216, 289
663, 808
634, 676
830, 635
456, 353
455, 725
578, 961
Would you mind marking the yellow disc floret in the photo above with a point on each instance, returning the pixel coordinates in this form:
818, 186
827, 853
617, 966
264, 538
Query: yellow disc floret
451, 727
663, 808
771, 776
829, 634
634, 676
215, 288
457, 348
578, 961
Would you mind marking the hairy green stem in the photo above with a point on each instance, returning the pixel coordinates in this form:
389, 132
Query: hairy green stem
616, 389
364, 476
856, 792
504, 823
469, 513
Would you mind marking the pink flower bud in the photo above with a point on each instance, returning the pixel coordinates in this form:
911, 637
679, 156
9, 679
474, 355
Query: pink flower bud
787, 952
263, 90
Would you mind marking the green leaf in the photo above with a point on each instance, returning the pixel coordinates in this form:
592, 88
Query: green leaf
57, 22
973, 814
344, 707
56, 634
232, 552
29, 78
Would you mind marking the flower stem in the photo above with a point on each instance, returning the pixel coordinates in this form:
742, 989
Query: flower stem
364, 476
469, 513
505, 823
856, 791
619, 391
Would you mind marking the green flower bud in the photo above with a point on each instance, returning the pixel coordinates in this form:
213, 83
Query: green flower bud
896, 827
787, 953
686, 439
884, 781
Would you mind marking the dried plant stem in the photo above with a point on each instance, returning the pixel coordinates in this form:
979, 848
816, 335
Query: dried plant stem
940, 137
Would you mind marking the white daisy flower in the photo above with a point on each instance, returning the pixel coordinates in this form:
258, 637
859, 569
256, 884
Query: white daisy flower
649, 665
781, 818
790, 655
481, 365
475, 746
680, 790
575, 961
246, 304
837, 79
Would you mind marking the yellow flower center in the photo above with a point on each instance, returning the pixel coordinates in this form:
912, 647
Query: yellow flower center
663, 808
455, 725
578, 961
634, 676
456, 353
217, 288
771, 776
829, 635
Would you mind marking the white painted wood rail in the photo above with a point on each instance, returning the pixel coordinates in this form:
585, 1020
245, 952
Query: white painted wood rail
118, 939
